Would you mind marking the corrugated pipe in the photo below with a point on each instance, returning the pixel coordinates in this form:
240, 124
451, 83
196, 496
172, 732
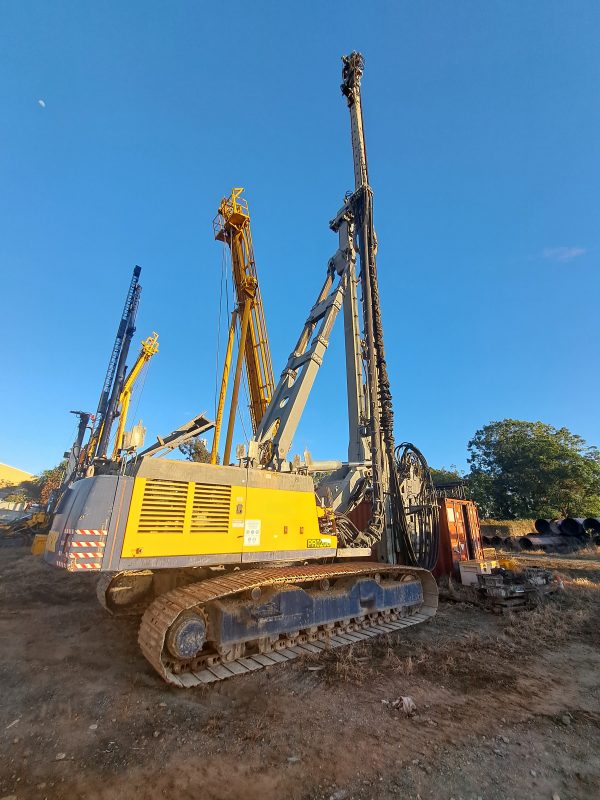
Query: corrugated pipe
541, 542
573, 526
543, 525
508, 542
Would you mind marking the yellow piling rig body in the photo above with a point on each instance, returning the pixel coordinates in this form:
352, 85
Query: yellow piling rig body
148, 349
232, 226
236, 568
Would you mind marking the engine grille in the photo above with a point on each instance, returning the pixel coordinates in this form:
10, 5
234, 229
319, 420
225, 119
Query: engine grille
210, 510
163, 507
180, 507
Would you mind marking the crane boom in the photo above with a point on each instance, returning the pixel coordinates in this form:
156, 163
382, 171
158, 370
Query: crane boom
232, 226
148, 348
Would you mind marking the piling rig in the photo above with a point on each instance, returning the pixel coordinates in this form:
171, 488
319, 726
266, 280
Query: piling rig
240, 567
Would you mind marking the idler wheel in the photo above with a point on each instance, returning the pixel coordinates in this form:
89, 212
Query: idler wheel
126, 590
187, 635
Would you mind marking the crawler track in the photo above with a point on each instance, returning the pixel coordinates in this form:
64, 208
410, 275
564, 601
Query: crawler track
209, 667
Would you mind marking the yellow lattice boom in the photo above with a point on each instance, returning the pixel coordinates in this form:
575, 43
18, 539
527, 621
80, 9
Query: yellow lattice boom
232, 226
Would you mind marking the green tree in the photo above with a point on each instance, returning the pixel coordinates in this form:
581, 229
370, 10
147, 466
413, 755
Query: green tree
50, 480
525, 469
21, 493
39, 489
17, 495
196, 450
444, 476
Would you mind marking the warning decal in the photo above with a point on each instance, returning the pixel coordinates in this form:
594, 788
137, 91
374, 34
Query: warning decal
252, 533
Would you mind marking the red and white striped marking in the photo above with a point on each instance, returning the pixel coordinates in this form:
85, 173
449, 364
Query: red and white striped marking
88, 544
90, 532
81, 548
87, 554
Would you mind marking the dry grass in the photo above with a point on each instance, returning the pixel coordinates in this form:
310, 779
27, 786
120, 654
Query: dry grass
467, 656
473, 659
589, 551
507, 527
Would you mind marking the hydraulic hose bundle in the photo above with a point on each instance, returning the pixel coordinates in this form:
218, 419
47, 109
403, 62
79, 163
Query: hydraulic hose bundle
421, 508
414, 526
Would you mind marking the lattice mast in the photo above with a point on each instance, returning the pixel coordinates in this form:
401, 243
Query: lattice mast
232, 226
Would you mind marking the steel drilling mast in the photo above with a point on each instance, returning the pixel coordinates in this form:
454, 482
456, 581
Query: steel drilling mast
232, 226
117, 347
402, 531
385, 486
115, 375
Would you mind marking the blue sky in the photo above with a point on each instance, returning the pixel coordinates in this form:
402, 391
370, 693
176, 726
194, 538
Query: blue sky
482, 123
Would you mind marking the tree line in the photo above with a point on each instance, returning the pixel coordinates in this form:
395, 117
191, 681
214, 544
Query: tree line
524, 470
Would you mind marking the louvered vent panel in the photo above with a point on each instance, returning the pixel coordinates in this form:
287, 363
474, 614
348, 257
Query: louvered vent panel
163, 507
210, 513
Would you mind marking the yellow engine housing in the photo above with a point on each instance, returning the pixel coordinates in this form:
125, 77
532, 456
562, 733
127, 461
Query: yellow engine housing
166, 513
182, 509
177, 518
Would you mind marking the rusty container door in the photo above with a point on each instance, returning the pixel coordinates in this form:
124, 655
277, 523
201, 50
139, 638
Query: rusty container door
474, 529
457, 525
460, 536
453, 542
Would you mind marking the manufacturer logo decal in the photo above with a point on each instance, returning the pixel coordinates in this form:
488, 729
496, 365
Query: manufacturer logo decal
314, 543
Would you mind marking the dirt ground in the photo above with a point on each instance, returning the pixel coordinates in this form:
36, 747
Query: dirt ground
507, 706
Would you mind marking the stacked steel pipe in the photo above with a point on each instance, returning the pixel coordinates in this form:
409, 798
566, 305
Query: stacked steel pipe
557, 534
592, 525
566, 534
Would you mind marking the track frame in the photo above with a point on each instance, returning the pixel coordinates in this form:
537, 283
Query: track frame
207, 667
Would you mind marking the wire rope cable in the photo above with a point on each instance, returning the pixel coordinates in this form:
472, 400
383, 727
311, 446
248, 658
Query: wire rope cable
219, 321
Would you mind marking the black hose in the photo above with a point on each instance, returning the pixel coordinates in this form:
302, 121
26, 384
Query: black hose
425, 509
